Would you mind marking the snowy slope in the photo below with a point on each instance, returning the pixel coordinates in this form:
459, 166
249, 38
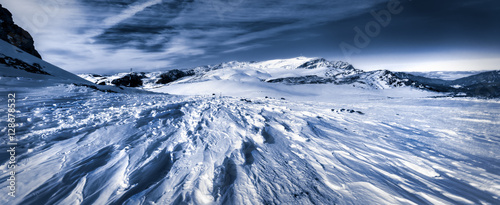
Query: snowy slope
84, 147
21, 69
9, 52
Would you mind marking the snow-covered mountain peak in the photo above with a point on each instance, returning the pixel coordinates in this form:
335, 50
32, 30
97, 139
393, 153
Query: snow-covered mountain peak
240, 77
323, 63
239, 71
303, 63
290, 63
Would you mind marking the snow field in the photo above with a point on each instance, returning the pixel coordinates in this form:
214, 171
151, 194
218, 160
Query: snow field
86, 147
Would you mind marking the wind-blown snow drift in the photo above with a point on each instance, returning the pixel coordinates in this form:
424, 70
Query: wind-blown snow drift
86, 147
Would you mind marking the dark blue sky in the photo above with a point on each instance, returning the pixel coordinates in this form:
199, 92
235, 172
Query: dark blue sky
116, 35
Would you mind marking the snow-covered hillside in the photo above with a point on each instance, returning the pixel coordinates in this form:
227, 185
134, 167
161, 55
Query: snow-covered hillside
300, 70
16, 63
256, 77
18, 68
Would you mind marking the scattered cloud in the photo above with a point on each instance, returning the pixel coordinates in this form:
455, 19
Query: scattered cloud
113, 35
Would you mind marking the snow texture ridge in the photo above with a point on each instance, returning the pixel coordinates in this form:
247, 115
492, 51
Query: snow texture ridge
85, 147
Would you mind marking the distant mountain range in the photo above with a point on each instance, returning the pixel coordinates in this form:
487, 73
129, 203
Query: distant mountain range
446, 75
302, 70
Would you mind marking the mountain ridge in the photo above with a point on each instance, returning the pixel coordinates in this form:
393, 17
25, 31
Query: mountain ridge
302, 70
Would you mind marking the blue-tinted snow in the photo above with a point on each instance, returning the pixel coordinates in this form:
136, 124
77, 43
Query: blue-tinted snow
82, 146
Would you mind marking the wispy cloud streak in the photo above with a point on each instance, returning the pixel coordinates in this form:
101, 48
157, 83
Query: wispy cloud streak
166, 33
129, 12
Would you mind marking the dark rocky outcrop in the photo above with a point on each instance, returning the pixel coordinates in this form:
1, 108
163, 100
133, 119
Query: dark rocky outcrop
21, 65
95, 88
309, 79
15, 35
129, 80
172, 75
348, 111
